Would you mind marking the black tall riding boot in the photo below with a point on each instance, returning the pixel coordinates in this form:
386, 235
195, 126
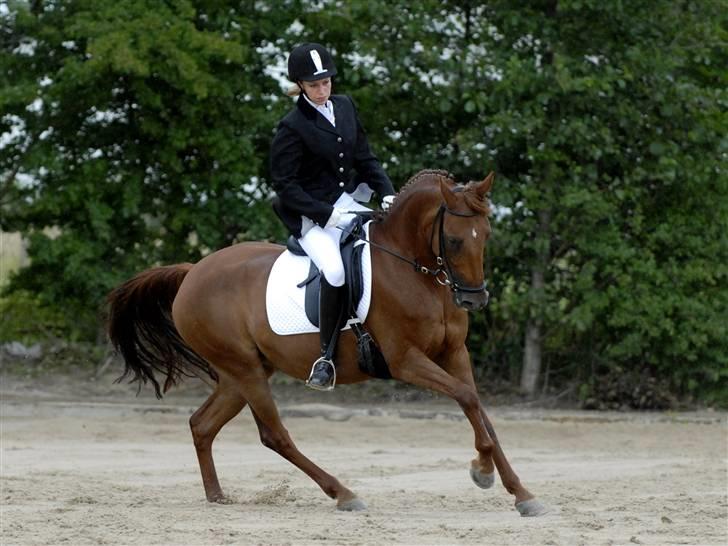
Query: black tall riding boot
332, 315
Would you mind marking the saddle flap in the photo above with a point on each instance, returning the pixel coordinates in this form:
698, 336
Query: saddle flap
351, 255
293, 286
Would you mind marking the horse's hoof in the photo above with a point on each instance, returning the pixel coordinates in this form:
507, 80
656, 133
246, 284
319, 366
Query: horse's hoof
481, 479
351, 505
531, 508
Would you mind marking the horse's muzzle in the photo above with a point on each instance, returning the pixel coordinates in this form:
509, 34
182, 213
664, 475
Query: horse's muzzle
471, 301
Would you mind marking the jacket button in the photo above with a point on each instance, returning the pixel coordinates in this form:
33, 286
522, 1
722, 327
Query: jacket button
341, 154
341, 169
338, 139
341, 184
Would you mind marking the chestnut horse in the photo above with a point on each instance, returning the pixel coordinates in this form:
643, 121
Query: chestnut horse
210, 318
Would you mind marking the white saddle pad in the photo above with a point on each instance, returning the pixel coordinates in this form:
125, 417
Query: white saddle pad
285, 302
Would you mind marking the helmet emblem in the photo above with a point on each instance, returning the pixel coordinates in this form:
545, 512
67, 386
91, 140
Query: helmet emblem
316, 58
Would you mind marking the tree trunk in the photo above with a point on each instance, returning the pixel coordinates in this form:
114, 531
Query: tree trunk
532, 355
531, 371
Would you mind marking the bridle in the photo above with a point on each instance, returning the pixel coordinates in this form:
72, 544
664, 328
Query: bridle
443, 275
445, 268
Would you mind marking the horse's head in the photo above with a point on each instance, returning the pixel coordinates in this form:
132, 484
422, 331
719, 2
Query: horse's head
445, 224
458, 239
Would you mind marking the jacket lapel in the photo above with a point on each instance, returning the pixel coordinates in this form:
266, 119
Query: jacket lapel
312, 114
325, 124
346, 119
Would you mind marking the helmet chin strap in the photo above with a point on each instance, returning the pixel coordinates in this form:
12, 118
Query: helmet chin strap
298, 83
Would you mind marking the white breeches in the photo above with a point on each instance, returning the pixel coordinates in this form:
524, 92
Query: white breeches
322, 244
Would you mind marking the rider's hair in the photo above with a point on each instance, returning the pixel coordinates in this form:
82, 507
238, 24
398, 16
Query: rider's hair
294, 90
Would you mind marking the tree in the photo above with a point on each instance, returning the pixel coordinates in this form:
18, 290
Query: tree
608, 125
143, 142
140, 131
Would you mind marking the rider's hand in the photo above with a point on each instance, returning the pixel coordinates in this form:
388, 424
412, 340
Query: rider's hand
334, 218
387, 202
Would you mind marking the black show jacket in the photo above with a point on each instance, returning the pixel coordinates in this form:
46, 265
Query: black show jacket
313, 162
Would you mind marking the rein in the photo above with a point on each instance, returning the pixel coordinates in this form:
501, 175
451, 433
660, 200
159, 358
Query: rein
443, 274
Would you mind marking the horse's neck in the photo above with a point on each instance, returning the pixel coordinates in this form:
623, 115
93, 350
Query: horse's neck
406, 231
407, 228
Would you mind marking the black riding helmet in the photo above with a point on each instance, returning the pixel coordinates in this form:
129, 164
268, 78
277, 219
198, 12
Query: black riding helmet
310, 62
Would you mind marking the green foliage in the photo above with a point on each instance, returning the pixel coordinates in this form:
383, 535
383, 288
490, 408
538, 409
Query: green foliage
611, 150
24, 318
606, 123
146, 143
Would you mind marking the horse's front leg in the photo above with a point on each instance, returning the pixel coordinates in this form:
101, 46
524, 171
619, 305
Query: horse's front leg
417, 369
458, 365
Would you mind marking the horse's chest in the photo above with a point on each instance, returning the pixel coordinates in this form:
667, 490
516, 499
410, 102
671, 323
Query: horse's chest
455, 331
437, 331
436, 341
441, 337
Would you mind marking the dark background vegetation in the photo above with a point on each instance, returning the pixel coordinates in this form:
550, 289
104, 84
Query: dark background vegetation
136, 133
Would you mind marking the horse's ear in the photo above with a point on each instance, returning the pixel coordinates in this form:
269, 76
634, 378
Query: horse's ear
482, 188
450, 198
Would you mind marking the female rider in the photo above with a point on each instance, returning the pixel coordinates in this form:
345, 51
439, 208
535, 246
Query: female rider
321, 167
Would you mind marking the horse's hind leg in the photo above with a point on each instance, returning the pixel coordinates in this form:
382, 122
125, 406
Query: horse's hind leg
222, 405
274, 436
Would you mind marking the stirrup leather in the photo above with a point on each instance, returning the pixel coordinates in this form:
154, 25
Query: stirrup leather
322, 386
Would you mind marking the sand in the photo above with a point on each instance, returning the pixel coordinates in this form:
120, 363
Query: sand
123, 470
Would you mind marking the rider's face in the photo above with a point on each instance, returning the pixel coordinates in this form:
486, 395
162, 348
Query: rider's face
318, 91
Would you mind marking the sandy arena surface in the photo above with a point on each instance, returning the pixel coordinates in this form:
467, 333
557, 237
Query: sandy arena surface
122, 470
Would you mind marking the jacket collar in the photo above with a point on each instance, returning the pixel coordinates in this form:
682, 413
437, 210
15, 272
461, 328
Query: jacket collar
305, 108
313, 115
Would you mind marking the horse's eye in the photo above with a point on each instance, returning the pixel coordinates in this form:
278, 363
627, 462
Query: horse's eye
454, 243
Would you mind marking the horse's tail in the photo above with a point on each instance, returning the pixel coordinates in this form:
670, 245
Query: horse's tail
140, 327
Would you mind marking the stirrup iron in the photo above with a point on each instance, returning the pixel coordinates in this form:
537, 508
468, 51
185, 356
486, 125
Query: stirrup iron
318, 383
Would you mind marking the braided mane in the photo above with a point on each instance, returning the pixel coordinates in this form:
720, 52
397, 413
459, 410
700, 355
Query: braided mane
425, 172
475, 203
